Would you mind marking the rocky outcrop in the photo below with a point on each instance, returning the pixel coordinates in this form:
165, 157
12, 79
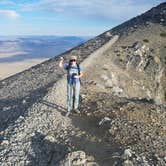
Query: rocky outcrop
141, 50
78, 158
137, 125
136, 65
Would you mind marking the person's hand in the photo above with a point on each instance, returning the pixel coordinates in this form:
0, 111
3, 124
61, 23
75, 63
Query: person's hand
61, 62
61, 58
76, 76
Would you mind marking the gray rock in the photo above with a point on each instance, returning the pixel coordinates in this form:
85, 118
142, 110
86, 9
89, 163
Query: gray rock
5, 142
24, 101
49, 138
127, 153
78, 158
127, 163
105, 119
92, 164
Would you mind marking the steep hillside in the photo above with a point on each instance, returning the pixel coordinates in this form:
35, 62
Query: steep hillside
141, 54
123, 98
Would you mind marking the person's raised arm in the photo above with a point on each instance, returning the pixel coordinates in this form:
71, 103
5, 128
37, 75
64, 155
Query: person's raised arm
61, 62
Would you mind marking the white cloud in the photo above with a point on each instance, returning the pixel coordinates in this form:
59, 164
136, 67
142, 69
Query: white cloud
99, 9
9, 14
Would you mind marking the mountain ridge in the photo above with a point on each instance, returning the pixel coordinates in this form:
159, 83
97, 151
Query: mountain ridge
122, 104
153, 15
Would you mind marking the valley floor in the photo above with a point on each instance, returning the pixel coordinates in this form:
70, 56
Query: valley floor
10, 68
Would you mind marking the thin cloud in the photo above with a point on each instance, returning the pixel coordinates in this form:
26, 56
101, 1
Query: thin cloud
95, 9
9, 14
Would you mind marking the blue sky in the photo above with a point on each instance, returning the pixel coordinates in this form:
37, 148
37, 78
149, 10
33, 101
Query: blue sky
67, 17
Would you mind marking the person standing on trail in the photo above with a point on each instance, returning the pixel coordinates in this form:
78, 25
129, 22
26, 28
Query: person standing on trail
74, 73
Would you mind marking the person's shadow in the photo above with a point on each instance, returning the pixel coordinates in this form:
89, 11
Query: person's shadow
55, 106
45, 152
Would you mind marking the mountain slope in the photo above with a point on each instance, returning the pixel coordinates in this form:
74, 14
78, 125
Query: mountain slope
122, 102
140, 51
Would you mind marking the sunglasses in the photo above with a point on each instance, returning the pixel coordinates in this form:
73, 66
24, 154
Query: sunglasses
72, 60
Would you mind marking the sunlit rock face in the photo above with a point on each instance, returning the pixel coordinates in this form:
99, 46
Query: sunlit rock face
136, 64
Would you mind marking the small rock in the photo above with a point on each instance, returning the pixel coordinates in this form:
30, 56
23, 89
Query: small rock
78, 162
108, 34
24, 101
162, 20
90, 158
89, 114
117, 90
165, 158
127, 154
78, 158
104, 77
116, 155
6, 108
128, 163
50, 138
92, 164
105, 119
5, 142
83, 96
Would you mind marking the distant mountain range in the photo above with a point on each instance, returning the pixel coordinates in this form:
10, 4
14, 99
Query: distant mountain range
18, 48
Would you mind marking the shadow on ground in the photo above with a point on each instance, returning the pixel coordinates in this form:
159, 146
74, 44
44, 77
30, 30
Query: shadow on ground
45, 152
53, 106
11, 109
94, 140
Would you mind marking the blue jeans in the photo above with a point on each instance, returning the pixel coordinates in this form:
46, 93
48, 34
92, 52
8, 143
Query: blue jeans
73, 91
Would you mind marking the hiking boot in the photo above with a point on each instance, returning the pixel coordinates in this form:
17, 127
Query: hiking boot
67, 114
77, 111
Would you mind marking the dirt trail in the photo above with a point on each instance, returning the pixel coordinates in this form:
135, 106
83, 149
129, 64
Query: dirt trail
91, 138
87, 134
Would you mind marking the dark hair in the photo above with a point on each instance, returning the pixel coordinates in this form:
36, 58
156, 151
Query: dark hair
71, 60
